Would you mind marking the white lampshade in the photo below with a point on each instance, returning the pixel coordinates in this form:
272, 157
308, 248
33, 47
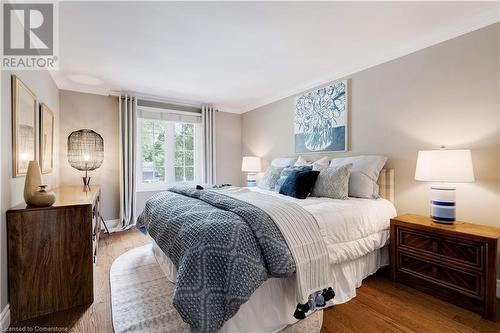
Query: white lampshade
444, 165
251, 164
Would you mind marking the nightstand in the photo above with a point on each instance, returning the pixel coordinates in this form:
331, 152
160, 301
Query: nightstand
456, 262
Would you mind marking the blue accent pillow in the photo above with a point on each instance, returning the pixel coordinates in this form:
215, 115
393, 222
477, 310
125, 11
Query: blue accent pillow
299, 184
268, 181
287, 172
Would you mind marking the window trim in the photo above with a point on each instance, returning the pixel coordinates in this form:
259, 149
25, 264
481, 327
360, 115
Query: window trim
169, 163
184, 150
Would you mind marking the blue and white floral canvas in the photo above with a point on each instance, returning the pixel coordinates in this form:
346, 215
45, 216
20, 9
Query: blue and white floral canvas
321, 119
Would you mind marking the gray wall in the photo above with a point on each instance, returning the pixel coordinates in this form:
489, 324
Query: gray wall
41, 83
100, 114
447, 94
228, 150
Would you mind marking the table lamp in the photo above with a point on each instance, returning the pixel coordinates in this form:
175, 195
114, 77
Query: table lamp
85, 152
444, 167
252, 165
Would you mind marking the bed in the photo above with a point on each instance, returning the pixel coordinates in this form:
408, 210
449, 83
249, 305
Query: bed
356, 234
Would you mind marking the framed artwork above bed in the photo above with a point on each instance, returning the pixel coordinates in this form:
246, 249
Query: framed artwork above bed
321, 119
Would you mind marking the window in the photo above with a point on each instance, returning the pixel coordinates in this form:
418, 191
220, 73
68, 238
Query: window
169, 152
184, 152
153, 151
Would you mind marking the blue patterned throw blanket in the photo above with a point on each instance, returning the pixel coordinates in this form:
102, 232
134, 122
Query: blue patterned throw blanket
223, 248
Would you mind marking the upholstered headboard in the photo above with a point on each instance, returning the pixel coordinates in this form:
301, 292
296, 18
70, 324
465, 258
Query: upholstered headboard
386, 184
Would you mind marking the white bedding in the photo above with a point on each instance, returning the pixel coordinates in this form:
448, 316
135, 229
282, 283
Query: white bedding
355, 232
351, 228
271, 306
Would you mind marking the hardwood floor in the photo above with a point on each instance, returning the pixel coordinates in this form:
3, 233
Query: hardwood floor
380, 305
97, 317
384, 306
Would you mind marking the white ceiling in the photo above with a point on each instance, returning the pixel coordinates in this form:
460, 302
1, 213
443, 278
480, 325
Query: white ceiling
241, 55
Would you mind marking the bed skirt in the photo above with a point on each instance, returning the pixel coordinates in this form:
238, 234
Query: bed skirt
271, 306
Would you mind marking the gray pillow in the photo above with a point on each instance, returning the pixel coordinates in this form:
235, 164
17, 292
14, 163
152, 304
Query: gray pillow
333, 182
268, 181
287, 172
364, 174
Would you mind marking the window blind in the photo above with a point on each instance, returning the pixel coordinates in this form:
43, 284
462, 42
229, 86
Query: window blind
168, 115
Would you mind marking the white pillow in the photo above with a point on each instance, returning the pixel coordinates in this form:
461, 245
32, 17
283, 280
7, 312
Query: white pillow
318, 165
364, 174
301, 162
283, 162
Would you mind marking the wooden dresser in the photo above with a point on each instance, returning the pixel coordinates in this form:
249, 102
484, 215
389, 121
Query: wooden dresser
52, 253
456, 263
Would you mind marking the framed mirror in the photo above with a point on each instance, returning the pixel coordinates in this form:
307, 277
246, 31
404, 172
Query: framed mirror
46, 139
24, 107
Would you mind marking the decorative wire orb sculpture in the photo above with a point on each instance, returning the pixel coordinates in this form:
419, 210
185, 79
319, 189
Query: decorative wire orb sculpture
85, 150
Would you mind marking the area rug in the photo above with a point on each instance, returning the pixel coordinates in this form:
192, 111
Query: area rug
141, 298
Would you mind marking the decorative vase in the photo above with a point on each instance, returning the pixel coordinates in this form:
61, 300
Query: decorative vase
42, 198
318, 138
33, 180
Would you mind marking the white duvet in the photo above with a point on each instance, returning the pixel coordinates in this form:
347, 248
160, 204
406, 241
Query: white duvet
354, 230
351, 228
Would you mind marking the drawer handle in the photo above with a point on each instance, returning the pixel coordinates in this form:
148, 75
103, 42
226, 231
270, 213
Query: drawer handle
434, 246
434, 272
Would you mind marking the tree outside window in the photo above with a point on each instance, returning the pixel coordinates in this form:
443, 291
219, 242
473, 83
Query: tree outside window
184, 152
153, 151
169, 152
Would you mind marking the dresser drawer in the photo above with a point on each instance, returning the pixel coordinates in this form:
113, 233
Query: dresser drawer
456, 263
442, 276
453, 249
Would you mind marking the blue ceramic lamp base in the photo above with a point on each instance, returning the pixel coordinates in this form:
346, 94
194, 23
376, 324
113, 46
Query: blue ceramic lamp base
443, 204
251, 181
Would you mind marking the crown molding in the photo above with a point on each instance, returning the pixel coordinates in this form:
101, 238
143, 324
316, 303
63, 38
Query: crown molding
87, 90
63, 83
475, 23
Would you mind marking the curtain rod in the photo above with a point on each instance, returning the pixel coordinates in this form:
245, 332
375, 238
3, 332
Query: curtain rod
159, 99
162, 103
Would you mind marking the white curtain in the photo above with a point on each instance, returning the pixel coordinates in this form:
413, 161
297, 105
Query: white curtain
128, 133
208, 115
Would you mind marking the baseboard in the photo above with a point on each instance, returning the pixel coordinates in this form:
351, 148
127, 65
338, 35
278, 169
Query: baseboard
498, 288
5, 318
113, 225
